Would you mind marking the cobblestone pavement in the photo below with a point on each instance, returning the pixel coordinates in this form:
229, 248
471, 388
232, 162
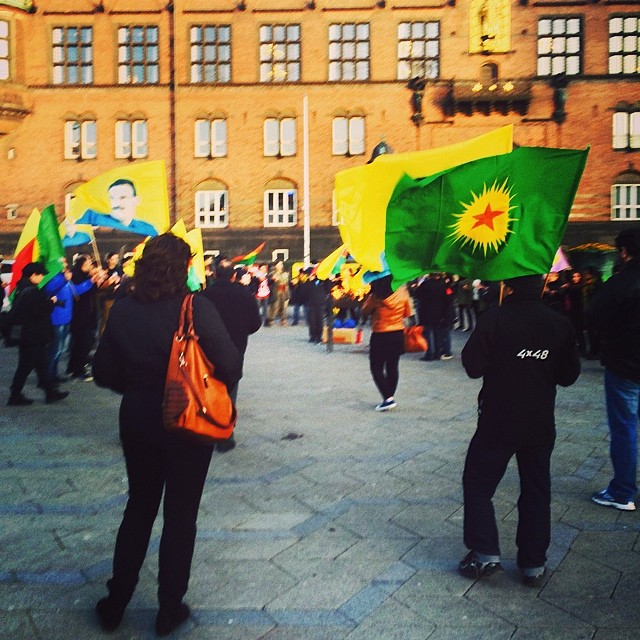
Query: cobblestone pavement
328, 521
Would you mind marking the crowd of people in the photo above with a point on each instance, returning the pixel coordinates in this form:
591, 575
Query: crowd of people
526, 337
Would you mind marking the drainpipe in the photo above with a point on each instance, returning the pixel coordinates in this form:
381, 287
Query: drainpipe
173, 205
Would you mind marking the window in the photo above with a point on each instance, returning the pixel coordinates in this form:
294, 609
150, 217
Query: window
212, 208
210, 138
624, 44
280, 207
625, 199
418, 50
348, 136
280, 137
12, 211
349, 51
210, 53
80, 139
138, 55
559, 46
72, 55
626, 130
280, 53
4, 50
131, 139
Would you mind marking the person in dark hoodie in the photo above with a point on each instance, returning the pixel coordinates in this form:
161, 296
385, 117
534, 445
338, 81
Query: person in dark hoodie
239, 311
522, 350
614, 313
33, 309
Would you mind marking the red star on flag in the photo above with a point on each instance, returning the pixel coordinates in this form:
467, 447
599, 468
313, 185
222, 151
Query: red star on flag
487, 217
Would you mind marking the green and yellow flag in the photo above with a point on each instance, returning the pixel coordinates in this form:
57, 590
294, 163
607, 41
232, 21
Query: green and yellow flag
362, 193
494, 218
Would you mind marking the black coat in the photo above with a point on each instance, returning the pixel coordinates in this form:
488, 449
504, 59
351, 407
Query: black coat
133, 355
615, 311
238, 309
33, 311
522, 350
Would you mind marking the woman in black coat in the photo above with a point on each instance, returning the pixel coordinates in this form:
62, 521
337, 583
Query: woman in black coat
132, 359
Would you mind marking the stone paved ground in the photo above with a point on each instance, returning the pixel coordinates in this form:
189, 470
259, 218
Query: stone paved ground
329, 521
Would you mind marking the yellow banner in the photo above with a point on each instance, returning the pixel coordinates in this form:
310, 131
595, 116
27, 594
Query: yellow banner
131, 198
362, 193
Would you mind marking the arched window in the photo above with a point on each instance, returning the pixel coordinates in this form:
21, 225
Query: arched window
211, 204
280, 203
625, 196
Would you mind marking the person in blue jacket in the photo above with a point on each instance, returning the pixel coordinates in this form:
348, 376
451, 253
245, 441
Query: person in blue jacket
65, 292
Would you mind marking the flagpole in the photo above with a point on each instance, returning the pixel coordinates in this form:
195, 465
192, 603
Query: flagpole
305, 181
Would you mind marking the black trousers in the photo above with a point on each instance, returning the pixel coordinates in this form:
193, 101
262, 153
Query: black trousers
385, 350
315, 320
181, 472
484, 468
82, 341
30, 357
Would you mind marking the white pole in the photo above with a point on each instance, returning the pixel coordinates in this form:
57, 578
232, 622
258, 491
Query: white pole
305, 180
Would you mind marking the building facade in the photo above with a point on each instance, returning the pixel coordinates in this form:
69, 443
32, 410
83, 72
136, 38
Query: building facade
255, 104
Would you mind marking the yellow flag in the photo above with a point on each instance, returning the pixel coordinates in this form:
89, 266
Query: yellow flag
180, 229
29, 231
323, 272
362, 193
130, 268
194, 238
130, 198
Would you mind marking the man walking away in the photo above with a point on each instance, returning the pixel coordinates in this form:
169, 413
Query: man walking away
521, 350
614, 312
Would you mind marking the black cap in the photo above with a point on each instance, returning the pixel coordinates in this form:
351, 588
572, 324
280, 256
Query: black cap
526, 285
32, 268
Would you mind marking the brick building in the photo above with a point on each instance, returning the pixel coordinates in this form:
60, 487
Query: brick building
218, 88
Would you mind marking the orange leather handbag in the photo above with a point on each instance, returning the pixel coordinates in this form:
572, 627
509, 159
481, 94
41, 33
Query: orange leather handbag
195, 402
414, 340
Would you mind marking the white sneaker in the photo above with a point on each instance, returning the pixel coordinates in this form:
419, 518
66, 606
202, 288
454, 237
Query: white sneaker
386, 405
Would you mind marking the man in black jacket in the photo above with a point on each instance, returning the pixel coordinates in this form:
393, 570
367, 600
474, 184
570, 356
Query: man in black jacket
614, 312
239, 311
33, 312
522, 350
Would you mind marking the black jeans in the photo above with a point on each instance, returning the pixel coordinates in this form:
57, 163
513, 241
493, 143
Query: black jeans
384, 357
315, 320
82, 341
484, 468
180, 471
30, 357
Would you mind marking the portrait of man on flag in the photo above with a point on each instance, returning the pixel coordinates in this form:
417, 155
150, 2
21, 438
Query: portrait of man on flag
132, 199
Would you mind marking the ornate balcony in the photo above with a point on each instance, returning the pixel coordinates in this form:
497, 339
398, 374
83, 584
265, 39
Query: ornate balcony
495, 96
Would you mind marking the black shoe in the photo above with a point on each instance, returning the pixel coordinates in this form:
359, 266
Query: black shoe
19, 400
537, 581
61, 379
55, 396
469, 567
109, 614
226, 445
427, 358
170, 619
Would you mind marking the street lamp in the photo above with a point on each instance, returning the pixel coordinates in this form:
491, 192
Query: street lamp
416, 85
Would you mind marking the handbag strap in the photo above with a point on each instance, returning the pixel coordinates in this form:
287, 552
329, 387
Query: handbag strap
185, 326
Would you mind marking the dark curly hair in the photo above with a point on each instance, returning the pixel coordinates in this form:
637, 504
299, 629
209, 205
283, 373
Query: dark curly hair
161, 271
